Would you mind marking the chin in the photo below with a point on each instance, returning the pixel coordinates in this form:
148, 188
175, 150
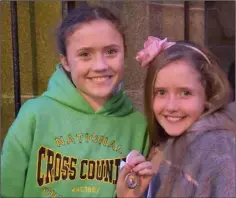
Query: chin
174, 133
102, 95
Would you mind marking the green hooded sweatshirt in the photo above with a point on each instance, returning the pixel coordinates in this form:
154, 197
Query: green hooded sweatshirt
58, 146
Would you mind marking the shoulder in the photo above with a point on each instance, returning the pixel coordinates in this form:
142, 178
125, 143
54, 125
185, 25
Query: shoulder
217, 149
217, 142
213, 148
28, 113
36, 105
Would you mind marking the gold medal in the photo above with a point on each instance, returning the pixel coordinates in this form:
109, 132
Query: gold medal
132, 180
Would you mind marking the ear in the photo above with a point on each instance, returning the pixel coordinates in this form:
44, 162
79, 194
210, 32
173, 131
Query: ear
64, 62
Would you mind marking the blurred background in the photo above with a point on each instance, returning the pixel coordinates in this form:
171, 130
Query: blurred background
29, 54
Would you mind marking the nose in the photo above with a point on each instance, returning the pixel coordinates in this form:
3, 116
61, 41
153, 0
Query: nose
100, 63
172, 104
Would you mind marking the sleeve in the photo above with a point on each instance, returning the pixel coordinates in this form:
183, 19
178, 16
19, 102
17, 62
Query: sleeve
15, 154
223, 184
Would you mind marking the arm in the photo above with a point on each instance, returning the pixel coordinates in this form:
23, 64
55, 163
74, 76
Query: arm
15, 155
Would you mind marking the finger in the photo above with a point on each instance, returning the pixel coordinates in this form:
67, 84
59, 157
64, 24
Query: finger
126, 170
146, 172
136, 160
132, 154
142, 166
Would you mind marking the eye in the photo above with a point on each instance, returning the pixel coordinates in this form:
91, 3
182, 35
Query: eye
185, 93
111, 52
84, 54
160, 92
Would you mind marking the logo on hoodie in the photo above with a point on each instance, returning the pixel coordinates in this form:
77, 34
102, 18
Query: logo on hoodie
53, 166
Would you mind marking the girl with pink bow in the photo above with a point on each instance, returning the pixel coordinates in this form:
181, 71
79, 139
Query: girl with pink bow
190, 124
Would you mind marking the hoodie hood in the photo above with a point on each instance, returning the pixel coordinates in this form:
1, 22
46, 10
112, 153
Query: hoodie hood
61, 89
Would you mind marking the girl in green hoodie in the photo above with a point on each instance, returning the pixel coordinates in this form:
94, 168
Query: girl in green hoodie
69, 141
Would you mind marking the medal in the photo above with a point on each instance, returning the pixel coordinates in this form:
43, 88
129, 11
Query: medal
132, 180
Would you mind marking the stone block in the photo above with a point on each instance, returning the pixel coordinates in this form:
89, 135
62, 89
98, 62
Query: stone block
47, 18
156, 20
173, 20
220, 24
196, 22
134, 74
135, 18
25, 34
226, 55
226, 13
6, 50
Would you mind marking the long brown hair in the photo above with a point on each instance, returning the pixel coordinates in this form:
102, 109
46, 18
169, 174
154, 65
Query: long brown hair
213, 79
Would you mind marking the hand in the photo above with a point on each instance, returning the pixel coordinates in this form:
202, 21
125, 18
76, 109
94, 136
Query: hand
152, 47
135, 163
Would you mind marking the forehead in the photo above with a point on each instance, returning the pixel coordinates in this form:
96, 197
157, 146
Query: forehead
96, 32
178, 73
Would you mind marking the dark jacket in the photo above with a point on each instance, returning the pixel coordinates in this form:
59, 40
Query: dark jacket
200, 163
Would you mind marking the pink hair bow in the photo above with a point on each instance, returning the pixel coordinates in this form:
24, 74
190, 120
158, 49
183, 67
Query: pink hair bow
152, 47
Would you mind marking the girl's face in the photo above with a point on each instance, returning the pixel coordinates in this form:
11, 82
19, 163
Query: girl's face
179, 97
95, 59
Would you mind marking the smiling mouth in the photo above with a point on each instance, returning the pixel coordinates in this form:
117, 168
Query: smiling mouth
174, 119
100, 79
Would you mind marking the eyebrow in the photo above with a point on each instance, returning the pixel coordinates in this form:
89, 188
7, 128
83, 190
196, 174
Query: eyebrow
91, 48
181, 88
112, 45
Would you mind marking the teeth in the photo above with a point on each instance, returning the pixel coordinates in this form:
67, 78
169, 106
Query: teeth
173, 119
100, 79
